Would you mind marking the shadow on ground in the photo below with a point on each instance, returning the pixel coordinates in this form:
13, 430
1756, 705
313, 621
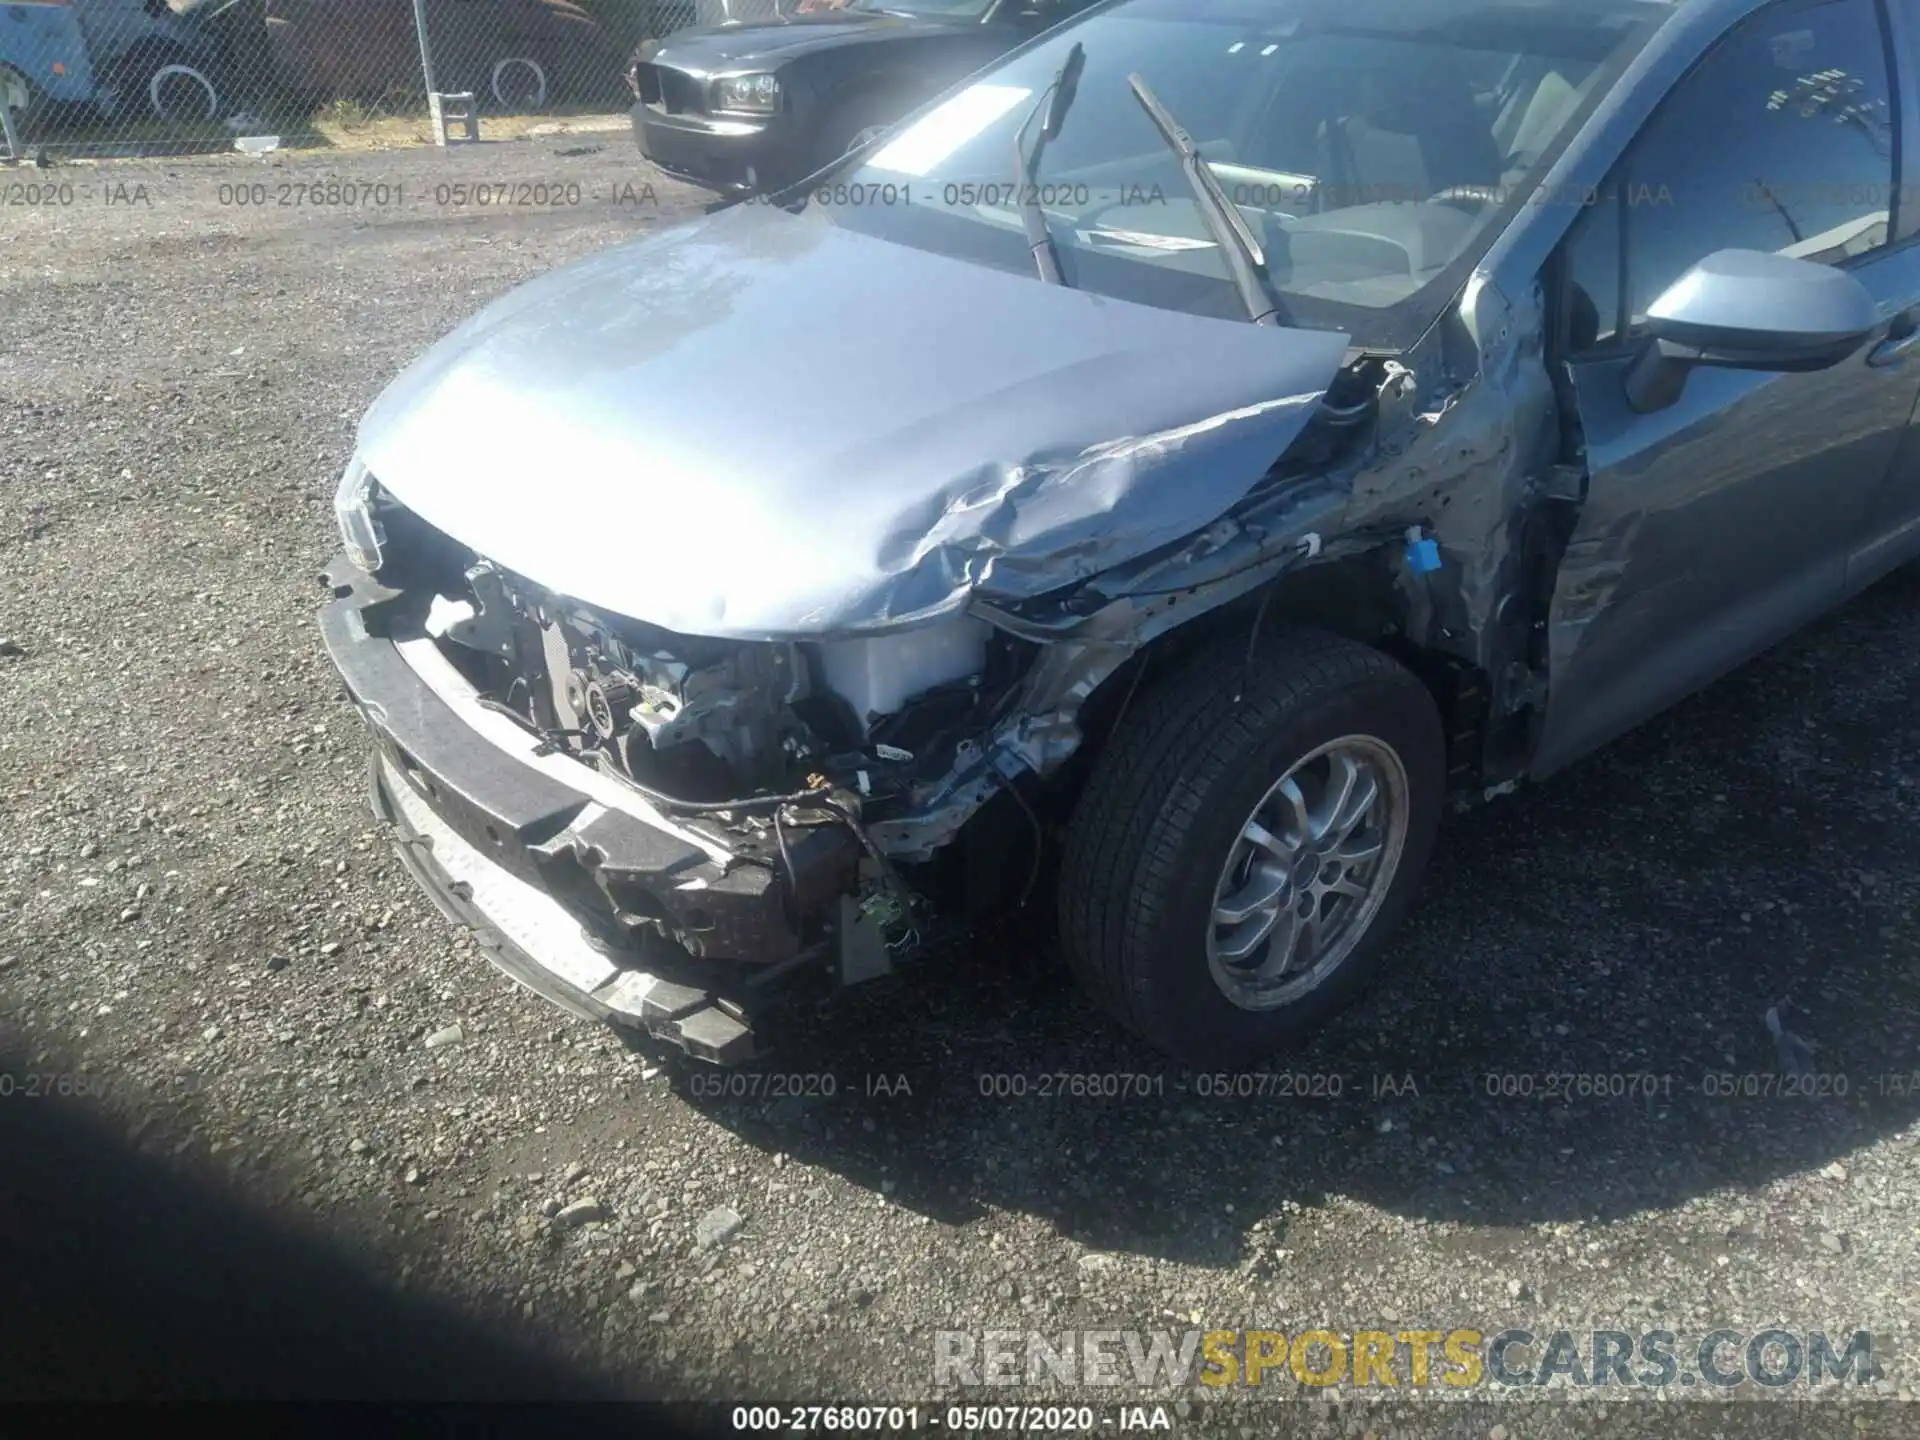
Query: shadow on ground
1633, 918
124, 1280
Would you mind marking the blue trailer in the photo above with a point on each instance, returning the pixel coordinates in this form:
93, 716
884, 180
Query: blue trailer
119, 58
44, 59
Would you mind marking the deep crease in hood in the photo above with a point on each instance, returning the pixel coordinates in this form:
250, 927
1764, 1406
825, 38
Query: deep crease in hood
767, 426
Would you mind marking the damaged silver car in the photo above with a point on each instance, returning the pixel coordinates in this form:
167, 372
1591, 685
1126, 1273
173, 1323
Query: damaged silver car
1164, 471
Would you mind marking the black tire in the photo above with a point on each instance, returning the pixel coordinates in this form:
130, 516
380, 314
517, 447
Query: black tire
163, 82
1162, 810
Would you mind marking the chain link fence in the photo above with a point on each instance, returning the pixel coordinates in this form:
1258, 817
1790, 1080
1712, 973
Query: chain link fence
132, 77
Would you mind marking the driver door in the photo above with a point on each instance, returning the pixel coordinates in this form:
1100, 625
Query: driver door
1715, 527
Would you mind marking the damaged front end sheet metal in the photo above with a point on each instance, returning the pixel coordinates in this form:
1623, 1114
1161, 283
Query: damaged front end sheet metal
570, 879
1040, 442
1142, 469
1440, 477
840, 478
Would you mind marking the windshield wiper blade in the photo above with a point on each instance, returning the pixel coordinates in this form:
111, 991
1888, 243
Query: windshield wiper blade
1053, 106
1239, 250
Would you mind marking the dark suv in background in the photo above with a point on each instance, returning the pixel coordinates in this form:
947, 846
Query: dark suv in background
769, 101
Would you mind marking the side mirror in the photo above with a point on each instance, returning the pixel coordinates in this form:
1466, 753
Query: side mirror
1748, 310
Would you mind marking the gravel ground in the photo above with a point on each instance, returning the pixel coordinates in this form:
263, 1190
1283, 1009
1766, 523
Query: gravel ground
198, 921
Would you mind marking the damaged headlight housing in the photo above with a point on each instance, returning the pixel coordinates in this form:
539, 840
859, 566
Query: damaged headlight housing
360, 530
747, 94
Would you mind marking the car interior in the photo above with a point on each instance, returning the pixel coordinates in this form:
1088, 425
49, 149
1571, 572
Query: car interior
1361, 192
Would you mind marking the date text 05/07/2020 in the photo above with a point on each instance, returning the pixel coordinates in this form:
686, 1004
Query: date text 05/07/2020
964, 1419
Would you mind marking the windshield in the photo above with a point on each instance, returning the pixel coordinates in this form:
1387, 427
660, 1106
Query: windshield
1370, 145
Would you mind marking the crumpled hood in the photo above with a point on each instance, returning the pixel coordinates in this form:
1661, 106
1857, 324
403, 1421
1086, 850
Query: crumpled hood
768, 426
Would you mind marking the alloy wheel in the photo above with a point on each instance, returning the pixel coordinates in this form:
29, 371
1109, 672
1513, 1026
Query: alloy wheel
1308, 872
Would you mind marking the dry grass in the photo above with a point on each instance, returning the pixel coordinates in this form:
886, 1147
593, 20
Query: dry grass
350, 127
341, 125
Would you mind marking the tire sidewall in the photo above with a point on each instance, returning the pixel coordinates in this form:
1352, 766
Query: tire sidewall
520, 67
1173, 989
202, 87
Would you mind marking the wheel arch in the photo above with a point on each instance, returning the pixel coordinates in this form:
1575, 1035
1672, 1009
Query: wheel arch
150, 52
839, 93
1357, 598
1152, 839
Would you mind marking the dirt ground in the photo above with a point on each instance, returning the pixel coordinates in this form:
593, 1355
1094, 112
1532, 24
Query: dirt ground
200, 928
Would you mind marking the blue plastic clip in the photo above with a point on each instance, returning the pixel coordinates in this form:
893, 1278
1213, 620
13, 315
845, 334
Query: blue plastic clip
1423, 552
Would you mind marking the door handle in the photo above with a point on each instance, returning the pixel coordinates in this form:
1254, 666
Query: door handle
1902, 341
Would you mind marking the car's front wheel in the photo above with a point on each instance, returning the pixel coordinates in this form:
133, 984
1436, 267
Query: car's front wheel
1248, 838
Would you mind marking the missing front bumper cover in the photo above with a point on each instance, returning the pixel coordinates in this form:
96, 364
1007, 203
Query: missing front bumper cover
533, 939
578, 888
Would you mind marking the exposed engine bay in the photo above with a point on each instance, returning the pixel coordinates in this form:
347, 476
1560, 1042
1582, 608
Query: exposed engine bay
776, 751
697, 723
700, 721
